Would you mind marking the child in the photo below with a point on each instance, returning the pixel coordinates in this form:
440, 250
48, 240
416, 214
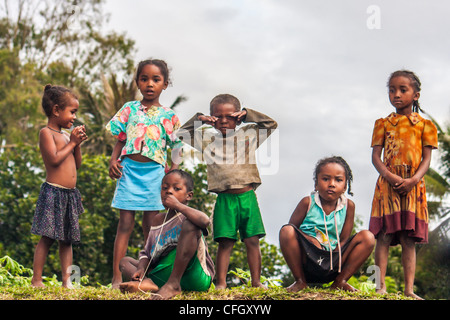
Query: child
232, 174
399, 208
144, 129
176, 253
317, 243
59, 202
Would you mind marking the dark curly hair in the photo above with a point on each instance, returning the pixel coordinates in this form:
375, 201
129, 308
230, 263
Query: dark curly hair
55, 95
188, 180
161, 64
343, 163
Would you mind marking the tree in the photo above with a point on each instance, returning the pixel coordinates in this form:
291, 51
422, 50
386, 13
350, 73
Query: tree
58, 42
433, 260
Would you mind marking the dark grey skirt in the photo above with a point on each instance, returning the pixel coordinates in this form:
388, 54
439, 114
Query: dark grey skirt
57, 213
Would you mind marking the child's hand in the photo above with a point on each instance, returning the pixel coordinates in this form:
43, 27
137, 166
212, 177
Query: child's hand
394, 180
405, 186
138, 275
170, 202
78, 135
208, 119
240, 115
115, 169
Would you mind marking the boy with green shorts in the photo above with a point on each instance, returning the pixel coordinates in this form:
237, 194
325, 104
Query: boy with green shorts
232, 173
175, 257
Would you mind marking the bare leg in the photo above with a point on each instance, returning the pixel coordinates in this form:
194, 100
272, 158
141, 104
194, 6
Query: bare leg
223, 261
128, 267
124, 230
409, 263
254, 260
357, 252
40, 256
381, 258
66, 258
292, 253
187, 247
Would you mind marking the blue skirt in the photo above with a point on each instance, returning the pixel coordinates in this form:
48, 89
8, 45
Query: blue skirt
139, 188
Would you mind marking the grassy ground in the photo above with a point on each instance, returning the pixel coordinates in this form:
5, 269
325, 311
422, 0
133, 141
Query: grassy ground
249, 294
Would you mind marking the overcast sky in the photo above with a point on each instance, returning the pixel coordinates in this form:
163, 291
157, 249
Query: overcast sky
319, 68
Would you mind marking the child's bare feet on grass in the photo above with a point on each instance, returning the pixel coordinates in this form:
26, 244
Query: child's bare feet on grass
68, 285
259, 285
167, 291
37, 283
146, 285
297, 286
343, 285
413, 295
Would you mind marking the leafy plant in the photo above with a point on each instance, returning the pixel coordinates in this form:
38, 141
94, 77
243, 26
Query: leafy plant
245, 277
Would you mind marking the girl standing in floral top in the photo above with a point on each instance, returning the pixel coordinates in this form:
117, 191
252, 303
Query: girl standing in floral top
144, 129
399, 208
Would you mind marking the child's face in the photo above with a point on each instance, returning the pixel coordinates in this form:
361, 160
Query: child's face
174, 184
402, 95
225, 121
151, 83
66, 117
331, 182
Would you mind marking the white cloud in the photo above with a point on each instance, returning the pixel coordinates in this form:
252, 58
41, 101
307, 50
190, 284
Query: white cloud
315, 67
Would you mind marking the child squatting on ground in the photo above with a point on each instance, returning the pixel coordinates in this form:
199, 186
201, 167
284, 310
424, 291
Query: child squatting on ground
317, 243
232, 173
176, 256
144, 130
399, 207
59, 203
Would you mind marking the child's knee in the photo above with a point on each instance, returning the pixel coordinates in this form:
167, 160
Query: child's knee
252, 242
287, 232
367, 238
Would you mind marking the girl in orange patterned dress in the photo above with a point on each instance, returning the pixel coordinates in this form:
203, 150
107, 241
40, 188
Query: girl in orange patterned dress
399, 207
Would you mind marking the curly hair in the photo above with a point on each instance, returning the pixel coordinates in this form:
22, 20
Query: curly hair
55, 95
343, 163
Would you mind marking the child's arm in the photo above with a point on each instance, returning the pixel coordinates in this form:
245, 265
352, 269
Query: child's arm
140, 269
197, 217
300, 212
50, 154
176, 156
249, 115
187, 131
265, 125
114, 165
348, 224
406, 185
77, 150
393, 179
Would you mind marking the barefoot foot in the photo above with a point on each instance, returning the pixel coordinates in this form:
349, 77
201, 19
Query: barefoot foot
167, 291
343, 285
297, 286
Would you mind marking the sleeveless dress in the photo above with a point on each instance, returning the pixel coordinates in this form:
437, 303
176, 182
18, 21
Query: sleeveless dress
402, 138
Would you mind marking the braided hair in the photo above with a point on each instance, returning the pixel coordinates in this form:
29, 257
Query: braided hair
415, 82
338, 160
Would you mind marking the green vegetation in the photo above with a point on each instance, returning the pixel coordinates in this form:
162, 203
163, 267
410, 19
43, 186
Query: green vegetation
99, 65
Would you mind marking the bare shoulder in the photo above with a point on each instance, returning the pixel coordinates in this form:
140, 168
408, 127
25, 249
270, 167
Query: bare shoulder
350, 204
305, 201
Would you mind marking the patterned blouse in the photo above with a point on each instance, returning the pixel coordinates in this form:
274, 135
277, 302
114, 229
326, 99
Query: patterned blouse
146, 131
